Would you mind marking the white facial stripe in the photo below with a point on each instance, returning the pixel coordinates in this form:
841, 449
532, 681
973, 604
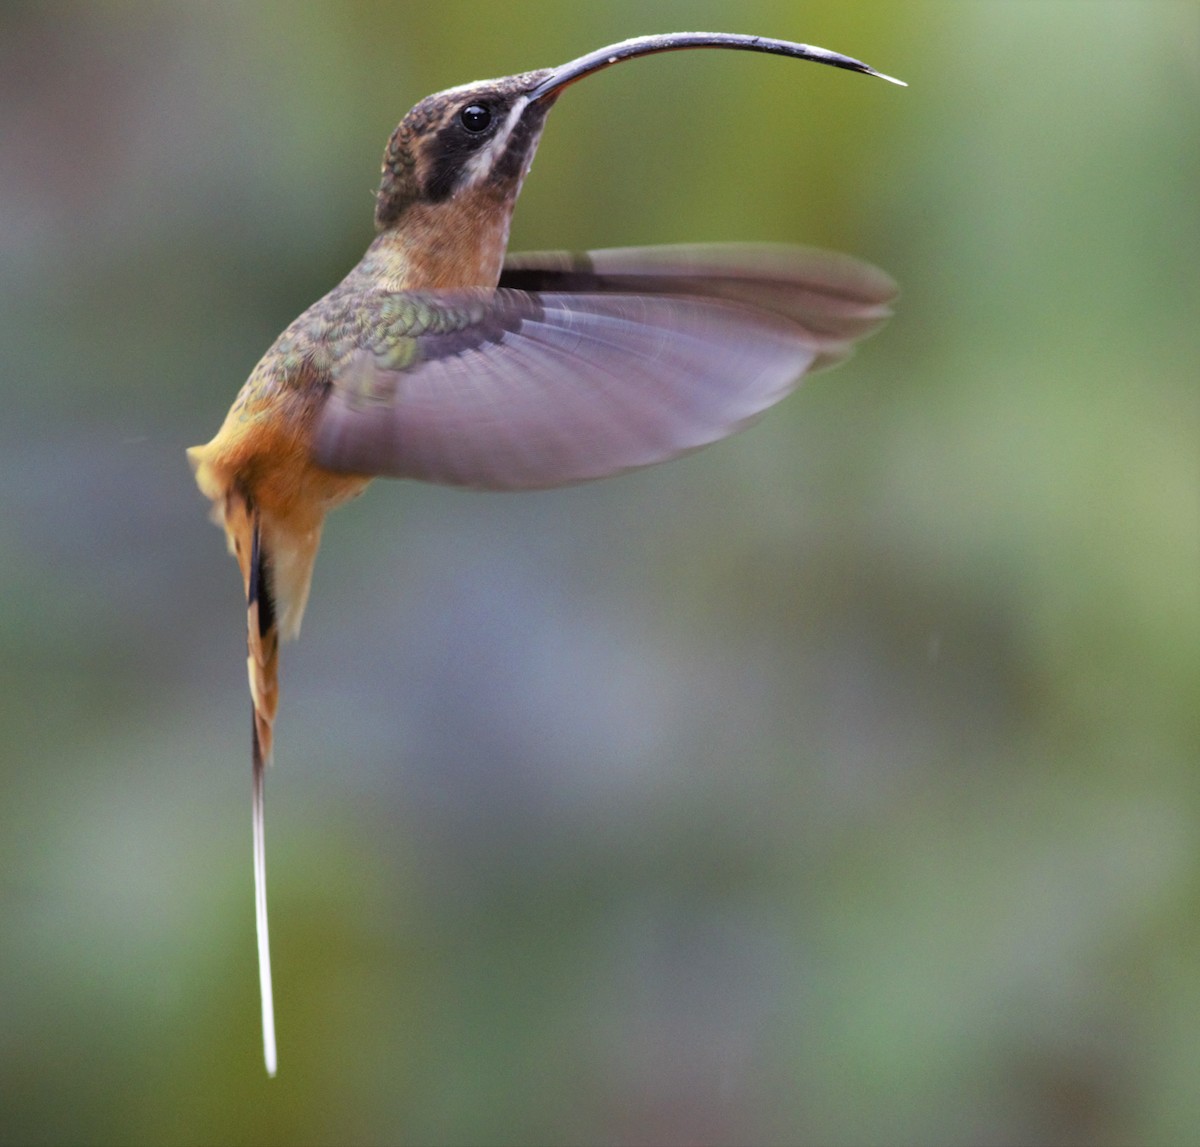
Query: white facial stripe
478, 166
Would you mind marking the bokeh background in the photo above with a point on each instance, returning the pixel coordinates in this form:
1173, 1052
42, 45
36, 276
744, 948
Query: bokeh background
836, 785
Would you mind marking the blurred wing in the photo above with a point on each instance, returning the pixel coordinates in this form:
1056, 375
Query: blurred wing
520, 389
836, 298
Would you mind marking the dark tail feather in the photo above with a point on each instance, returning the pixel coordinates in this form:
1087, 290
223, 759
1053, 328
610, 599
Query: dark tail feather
262, 636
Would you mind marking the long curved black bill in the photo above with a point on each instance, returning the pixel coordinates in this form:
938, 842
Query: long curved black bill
603, 58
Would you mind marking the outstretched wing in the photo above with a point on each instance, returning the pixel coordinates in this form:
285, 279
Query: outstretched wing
836, 298
590, 365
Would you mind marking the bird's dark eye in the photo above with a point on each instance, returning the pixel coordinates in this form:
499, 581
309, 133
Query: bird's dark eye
475, 117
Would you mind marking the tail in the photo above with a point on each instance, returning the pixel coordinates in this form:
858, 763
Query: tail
262, 639
276, 555
263, 661
243, 526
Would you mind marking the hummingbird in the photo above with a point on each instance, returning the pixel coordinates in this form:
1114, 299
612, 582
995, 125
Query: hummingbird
439, 357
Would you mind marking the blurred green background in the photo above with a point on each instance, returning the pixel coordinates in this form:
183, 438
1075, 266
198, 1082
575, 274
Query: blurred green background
836, 785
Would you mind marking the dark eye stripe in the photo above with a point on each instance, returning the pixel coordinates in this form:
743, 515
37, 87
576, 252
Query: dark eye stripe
447, 153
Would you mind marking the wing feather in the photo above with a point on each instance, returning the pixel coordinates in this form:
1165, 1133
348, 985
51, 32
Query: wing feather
834, 296
590, 365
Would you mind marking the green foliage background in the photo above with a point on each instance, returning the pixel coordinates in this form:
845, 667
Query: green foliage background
837, 785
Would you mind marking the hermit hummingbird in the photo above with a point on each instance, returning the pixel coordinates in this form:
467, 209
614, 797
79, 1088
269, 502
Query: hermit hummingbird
438, 357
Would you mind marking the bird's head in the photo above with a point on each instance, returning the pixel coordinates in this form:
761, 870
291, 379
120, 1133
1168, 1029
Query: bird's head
477, 138
456, 162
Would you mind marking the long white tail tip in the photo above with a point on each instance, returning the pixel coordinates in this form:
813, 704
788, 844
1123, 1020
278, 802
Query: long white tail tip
260, 917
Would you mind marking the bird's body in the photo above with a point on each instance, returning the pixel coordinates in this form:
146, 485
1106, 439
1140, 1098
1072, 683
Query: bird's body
259, 470
265, 444
440, 358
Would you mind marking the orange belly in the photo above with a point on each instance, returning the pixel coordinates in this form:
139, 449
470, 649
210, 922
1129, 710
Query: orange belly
261, 462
